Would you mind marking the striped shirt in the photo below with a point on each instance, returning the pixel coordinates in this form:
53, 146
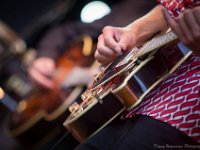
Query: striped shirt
176, 100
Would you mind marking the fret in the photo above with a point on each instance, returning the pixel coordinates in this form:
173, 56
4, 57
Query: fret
156, 43
149, 46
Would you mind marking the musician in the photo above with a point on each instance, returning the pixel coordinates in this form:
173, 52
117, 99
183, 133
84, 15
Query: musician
169, 116
52, 46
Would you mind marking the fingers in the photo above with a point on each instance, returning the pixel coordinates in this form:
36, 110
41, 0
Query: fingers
190, 22
41, 72
196, 12
196, 24
104, 60
172, 23
44, 65
117, 39
186, 26
196, 28
111, 38
107, 46
112, 42
41, 79
126, 42
104, 49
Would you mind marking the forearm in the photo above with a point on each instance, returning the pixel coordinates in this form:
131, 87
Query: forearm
150, 24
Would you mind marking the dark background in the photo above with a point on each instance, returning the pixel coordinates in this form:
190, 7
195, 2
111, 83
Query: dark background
31, 19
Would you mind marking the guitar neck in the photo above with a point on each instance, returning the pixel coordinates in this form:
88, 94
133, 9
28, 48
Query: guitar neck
148, 47
156, 43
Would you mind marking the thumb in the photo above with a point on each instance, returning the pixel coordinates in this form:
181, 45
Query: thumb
171, 22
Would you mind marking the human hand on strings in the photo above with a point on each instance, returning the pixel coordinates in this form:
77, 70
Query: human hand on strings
113, 41
187, 27
42, 70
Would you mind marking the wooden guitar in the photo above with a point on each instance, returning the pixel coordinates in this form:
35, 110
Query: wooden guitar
42, 113
128, 78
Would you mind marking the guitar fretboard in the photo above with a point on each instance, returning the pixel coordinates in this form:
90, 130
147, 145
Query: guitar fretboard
149, 46
156, 43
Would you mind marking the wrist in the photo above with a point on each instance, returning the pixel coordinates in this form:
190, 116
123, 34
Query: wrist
149, 25
141, 33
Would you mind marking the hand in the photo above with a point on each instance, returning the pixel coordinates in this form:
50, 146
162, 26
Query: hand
112, 42
187, 27
42, 70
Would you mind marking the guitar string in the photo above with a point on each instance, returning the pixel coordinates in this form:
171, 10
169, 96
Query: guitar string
149, 47
157, 43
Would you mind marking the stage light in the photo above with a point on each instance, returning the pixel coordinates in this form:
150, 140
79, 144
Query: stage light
93, 11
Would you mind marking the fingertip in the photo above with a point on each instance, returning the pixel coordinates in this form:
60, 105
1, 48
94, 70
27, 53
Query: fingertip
170, 21
163, 10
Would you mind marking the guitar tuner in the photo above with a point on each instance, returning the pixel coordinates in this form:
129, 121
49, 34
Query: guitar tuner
74, 108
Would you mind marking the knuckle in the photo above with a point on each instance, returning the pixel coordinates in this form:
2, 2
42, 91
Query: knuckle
100, 49
106, 28
106, 38
96, 54
99, 37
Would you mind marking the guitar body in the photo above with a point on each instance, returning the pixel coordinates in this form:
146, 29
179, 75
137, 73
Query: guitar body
94, 117
128, 80
138, 80
40, 115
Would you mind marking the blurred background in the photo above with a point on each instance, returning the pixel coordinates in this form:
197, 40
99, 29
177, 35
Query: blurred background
32, 28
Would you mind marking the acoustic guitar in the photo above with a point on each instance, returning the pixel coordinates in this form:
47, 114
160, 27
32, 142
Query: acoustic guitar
128, 78
41, 114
